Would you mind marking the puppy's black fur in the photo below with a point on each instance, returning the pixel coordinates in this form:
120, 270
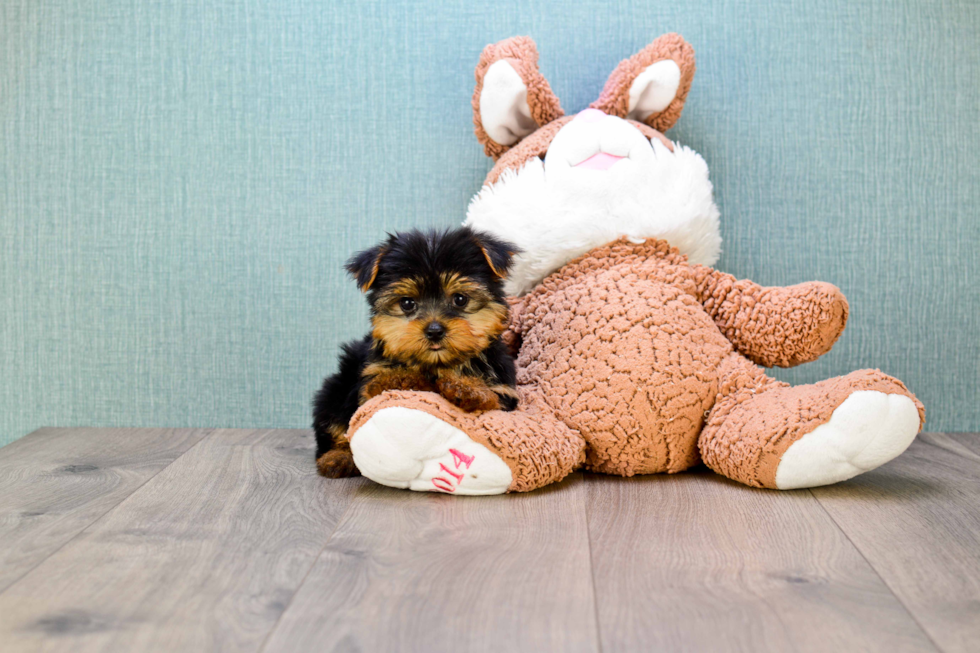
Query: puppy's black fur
438, 310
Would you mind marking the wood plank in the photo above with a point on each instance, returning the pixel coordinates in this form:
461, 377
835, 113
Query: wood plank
917, 521
56, 481
425, 572
205, 556
695, 562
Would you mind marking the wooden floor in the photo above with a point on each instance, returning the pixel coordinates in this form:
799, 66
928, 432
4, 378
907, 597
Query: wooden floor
208, 540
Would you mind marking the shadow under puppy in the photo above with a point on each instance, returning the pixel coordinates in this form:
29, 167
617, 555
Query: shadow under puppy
438, 310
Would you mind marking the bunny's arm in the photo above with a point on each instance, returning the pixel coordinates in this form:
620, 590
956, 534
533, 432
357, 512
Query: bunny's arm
773, 326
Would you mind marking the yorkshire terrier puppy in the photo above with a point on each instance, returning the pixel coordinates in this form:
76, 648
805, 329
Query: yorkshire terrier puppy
437, 313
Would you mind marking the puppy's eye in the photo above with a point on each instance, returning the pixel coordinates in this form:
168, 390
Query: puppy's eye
460, 300
407, 305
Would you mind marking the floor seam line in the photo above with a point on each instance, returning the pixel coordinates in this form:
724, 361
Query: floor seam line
95, 521
595, 597
306, 576
884, 582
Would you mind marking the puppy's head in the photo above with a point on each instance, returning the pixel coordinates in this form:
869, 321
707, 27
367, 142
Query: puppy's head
436, 298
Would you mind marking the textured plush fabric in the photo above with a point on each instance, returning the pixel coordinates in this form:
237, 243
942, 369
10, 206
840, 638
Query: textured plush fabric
767, 324
521, 54
755, 419
615, 95
182, 180
537, 446
623, 355
619, 346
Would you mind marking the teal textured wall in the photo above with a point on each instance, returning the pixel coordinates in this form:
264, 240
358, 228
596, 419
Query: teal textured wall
181, 180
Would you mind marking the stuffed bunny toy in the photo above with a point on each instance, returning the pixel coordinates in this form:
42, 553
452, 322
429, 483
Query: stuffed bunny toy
634, 356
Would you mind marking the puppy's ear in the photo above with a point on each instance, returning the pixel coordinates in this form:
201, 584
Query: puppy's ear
652, 85
363, 266
512, 98
499, 254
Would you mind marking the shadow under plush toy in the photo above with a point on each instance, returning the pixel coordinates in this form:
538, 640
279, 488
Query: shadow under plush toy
634, 356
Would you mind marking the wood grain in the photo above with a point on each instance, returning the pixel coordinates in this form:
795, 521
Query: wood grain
421, 572
168, 540
204, 556
55, 482
917, 521
694, 562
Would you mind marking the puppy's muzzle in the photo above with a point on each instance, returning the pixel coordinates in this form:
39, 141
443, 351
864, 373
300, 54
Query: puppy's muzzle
434, 331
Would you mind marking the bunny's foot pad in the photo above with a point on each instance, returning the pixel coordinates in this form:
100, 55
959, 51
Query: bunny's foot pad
411, 449
866, 431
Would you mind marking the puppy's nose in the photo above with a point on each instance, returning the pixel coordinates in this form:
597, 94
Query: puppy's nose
435, 331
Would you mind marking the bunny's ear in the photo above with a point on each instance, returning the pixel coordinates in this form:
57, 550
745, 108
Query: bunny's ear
652, 85
512, 98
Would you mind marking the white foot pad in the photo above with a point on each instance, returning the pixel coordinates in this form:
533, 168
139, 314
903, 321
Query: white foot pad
407, 448
866, 431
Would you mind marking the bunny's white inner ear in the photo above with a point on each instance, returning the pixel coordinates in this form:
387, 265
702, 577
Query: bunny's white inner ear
654, 89
504, 112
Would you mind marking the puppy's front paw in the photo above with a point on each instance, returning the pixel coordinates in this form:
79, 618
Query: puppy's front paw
394, 380
476, 401
508, 402
337, 463
469, 396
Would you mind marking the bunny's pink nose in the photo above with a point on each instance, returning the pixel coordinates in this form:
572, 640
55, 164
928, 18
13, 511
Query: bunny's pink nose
590, 115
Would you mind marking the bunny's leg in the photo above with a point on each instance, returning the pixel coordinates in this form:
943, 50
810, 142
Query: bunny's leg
766, 433
419, 441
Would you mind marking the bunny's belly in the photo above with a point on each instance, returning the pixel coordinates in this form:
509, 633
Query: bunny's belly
632, 365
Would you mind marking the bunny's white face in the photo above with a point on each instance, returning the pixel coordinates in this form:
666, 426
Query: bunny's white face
601, 179
583, 182
597, 141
